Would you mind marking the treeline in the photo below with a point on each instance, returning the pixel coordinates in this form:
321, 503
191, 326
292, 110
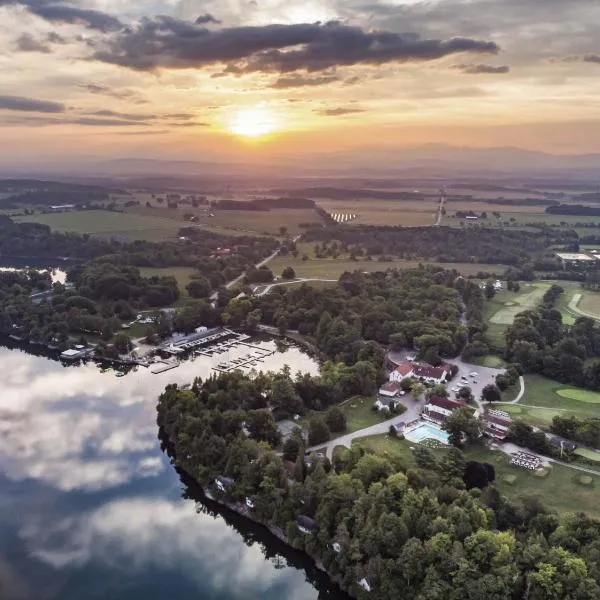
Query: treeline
419, 308
412, 531
584, 431
574, 209
334, 193
442, 244
539, 343
59, 197
266, 204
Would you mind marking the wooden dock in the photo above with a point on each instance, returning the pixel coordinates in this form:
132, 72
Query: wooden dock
162, 367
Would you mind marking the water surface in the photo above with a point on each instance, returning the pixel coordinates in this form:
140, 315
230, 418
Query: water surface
91, 509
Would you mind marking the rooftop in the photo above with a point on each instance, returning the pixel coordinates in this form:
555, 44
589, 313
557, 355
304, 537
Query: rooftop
429, 371
574, 256
404, 369
446, 403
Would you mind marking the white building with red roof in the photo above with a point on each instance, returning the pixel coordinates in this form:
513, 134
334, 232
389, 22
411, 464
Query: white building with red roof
438, 408
402, 371
497, 424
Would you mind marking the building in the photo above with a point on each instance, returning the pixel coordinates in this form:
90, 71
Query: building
223, 483
76, 353
402, 371
576, 260
438, 408
305, 524
430, 374
563, 444
390, 389
497, 424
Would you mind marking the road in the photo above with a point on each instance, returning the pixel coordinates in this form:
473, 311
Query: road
440, 209
267, 288
412, 413
235, 281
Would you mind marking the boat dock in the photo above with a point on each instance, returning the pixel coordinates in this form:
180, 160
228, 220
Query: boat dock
201, 339
252, 359
161, 367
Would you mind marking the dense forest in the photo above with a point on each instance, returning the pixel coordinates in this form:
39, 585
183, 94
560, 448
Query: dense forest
413, 532
418, 308
444, 244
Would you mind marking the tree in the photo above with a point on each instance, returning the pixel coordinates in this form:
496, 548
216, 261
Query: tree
262, 427
318, 432
491, 393
417, 390
288, 273
502, 382
199, 288
465, 392
292, 444
489, 291
122, 343
336, 419
282, 230
284, 397
462, 423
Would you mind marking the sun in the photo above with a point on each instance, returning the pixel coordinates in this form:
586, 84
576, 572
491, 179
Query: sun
254, 122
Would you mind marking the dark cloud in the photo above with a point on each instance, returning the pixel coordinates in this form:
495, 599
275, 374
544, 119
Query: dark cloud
591, 58
30, 105
207, 19
483, 69
27, 43
140, 118
104, 90
338, 111
295, 81
59, 12
94, 122
165, 42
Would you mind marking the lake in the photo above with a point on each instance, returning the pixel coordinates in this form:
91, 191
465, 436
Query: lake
92, 509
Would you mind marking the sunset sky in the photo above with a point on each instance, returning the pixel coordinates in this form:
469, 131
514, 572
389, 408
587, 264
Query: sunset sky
232, 78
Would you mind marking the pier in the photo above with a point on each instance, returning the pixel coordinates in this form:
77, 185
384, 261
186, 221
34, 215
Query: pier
252, 359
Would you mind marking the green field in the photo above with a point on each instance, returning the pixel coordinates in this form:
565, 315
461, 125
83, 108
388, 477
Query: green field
329, 268
529, 296
580, 395
359, 413
559, 490
183, 275
108, 223
492, 361
589, 454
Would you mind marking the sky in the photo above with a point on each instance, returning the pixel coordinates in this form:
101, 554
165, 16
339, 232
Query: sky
230, 79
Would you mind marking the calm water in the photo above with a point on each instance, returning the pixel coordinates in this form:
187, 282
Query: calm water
91, 509
58, 275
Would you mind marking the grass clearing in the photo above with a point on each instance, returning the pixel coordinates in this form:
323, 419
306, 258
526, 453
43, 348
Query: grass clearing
530, 296
590, 304
108, 223
360, 414
589, 454
330, 268
579, 395
491, 361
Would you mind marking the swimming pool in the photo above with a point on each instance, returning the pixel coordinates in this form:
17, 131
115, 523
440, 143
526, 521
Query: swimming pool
424, 431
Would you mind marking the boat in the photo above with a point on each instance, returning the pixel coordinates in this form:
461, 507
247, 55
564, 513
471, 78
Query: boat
119, 374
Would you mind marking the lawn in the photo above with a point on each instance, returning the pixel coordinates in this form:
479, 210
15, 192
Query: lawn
183, 275
529, 296
589, 304
492, 361
359, 413
560, 489
580, 395
109, 223
588, 453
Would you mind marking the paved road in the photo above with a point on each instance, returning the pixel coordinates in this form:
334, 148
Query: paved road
440, 209
267, 288
413, 412
233, 282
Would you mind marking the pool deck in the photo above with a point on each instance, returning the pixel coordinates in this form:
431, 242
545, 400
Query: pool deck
442, 437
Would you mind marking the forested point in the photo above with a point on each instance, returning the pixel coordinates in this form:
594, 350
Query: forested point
414, 532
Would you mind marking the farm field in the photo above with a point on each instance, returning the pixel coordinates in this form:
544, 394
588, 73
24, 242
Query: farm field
329, 268
183, 275
560, 489
107, 223
408, 213
237, 222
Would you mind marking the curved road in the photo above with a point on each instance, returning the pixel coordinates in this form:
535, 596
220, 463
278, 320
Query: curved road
269, 286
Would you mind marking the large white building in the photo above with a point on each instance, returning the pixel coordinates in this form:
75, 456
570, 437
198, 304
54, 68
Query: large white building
425, 373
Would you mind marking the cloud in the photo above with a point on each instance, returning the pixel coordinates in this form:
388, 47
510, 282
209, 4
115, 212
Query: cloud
591, 58
27, 43
30, 105
295, 81
104, 90
483, 69
164, 42
59, 12
338, 111
207, 19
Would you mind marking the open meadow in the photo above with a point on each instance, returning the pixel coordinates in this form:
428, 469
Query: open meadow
110, 224
183, 275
